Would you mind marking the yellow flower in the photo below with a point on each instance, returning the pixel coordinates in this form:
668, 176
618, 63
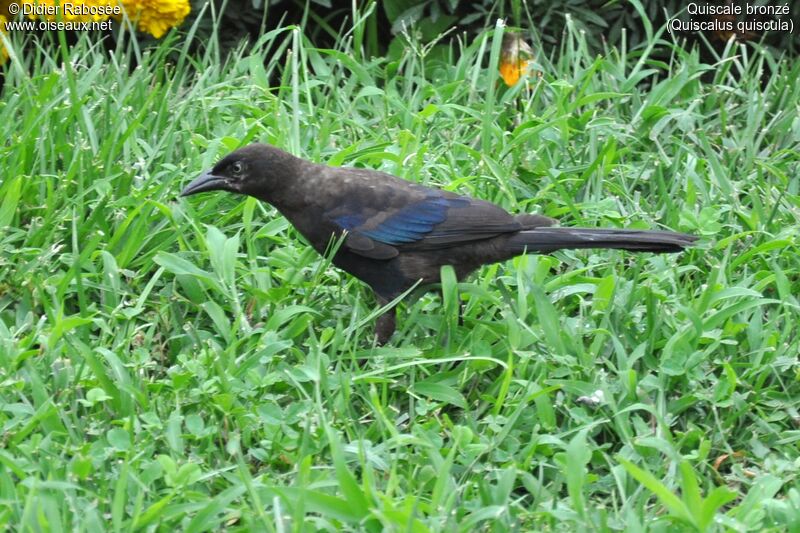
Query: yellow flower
3, 51
4, 8
156, 17
515, 56
73, 14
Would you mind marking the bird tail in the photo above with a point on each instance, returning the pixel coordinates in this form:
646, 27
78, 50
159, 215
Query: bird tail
546, 239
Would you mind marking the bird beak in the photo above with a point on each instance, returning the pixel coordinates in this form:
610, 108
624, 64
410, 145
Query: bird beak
205, 182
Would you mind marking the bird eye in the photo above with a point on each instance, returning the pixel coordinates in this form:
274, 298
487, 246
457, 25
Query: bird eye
237, 168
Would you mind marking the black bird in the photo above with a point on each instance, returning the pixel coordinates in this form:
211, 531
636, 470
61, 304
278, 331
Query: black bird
397, 232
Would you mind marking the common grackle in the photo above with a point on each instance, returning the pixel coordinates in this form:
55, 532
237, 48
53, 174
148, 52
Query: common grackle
396, 232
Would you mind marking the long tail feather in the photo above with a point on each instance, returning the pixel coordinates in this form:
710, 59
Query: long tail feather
550, 239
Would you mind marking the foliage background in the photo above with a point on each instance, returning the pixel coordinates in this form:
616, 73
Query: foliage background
603, 21
194, 365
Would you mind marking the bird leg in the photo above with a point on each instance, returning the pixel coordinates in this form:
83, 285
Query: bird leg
385, 324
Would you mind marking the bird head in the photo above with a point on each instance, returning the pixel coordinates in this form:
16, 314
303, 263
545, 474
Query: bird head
255, 170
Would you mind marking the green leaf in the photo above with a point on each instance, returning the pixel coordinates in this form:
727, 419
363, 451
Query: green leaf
763, 489
119, 439
219, 318
603, 293
356, 499
577, 456
97, 395
154, 512
319, 502
548, 318
673, 504
173, 432
222, 252
691, 491
441, 393
213, 513
718, 497
10, 192
178, 265
64, 325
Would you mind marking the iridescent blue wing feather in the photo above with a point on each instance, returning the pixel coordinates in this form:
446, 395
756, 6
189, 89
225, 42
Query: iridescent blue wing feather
388, 216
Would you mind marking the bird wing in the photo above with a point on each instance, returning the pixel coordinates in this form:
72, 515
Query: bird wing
384, 215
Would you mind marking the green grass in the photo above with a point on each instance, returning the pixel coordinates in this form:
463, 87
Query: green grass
173, 364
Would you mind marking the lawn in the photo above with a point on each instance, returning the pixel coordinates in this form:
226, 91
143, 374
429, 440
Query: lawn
191, 364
